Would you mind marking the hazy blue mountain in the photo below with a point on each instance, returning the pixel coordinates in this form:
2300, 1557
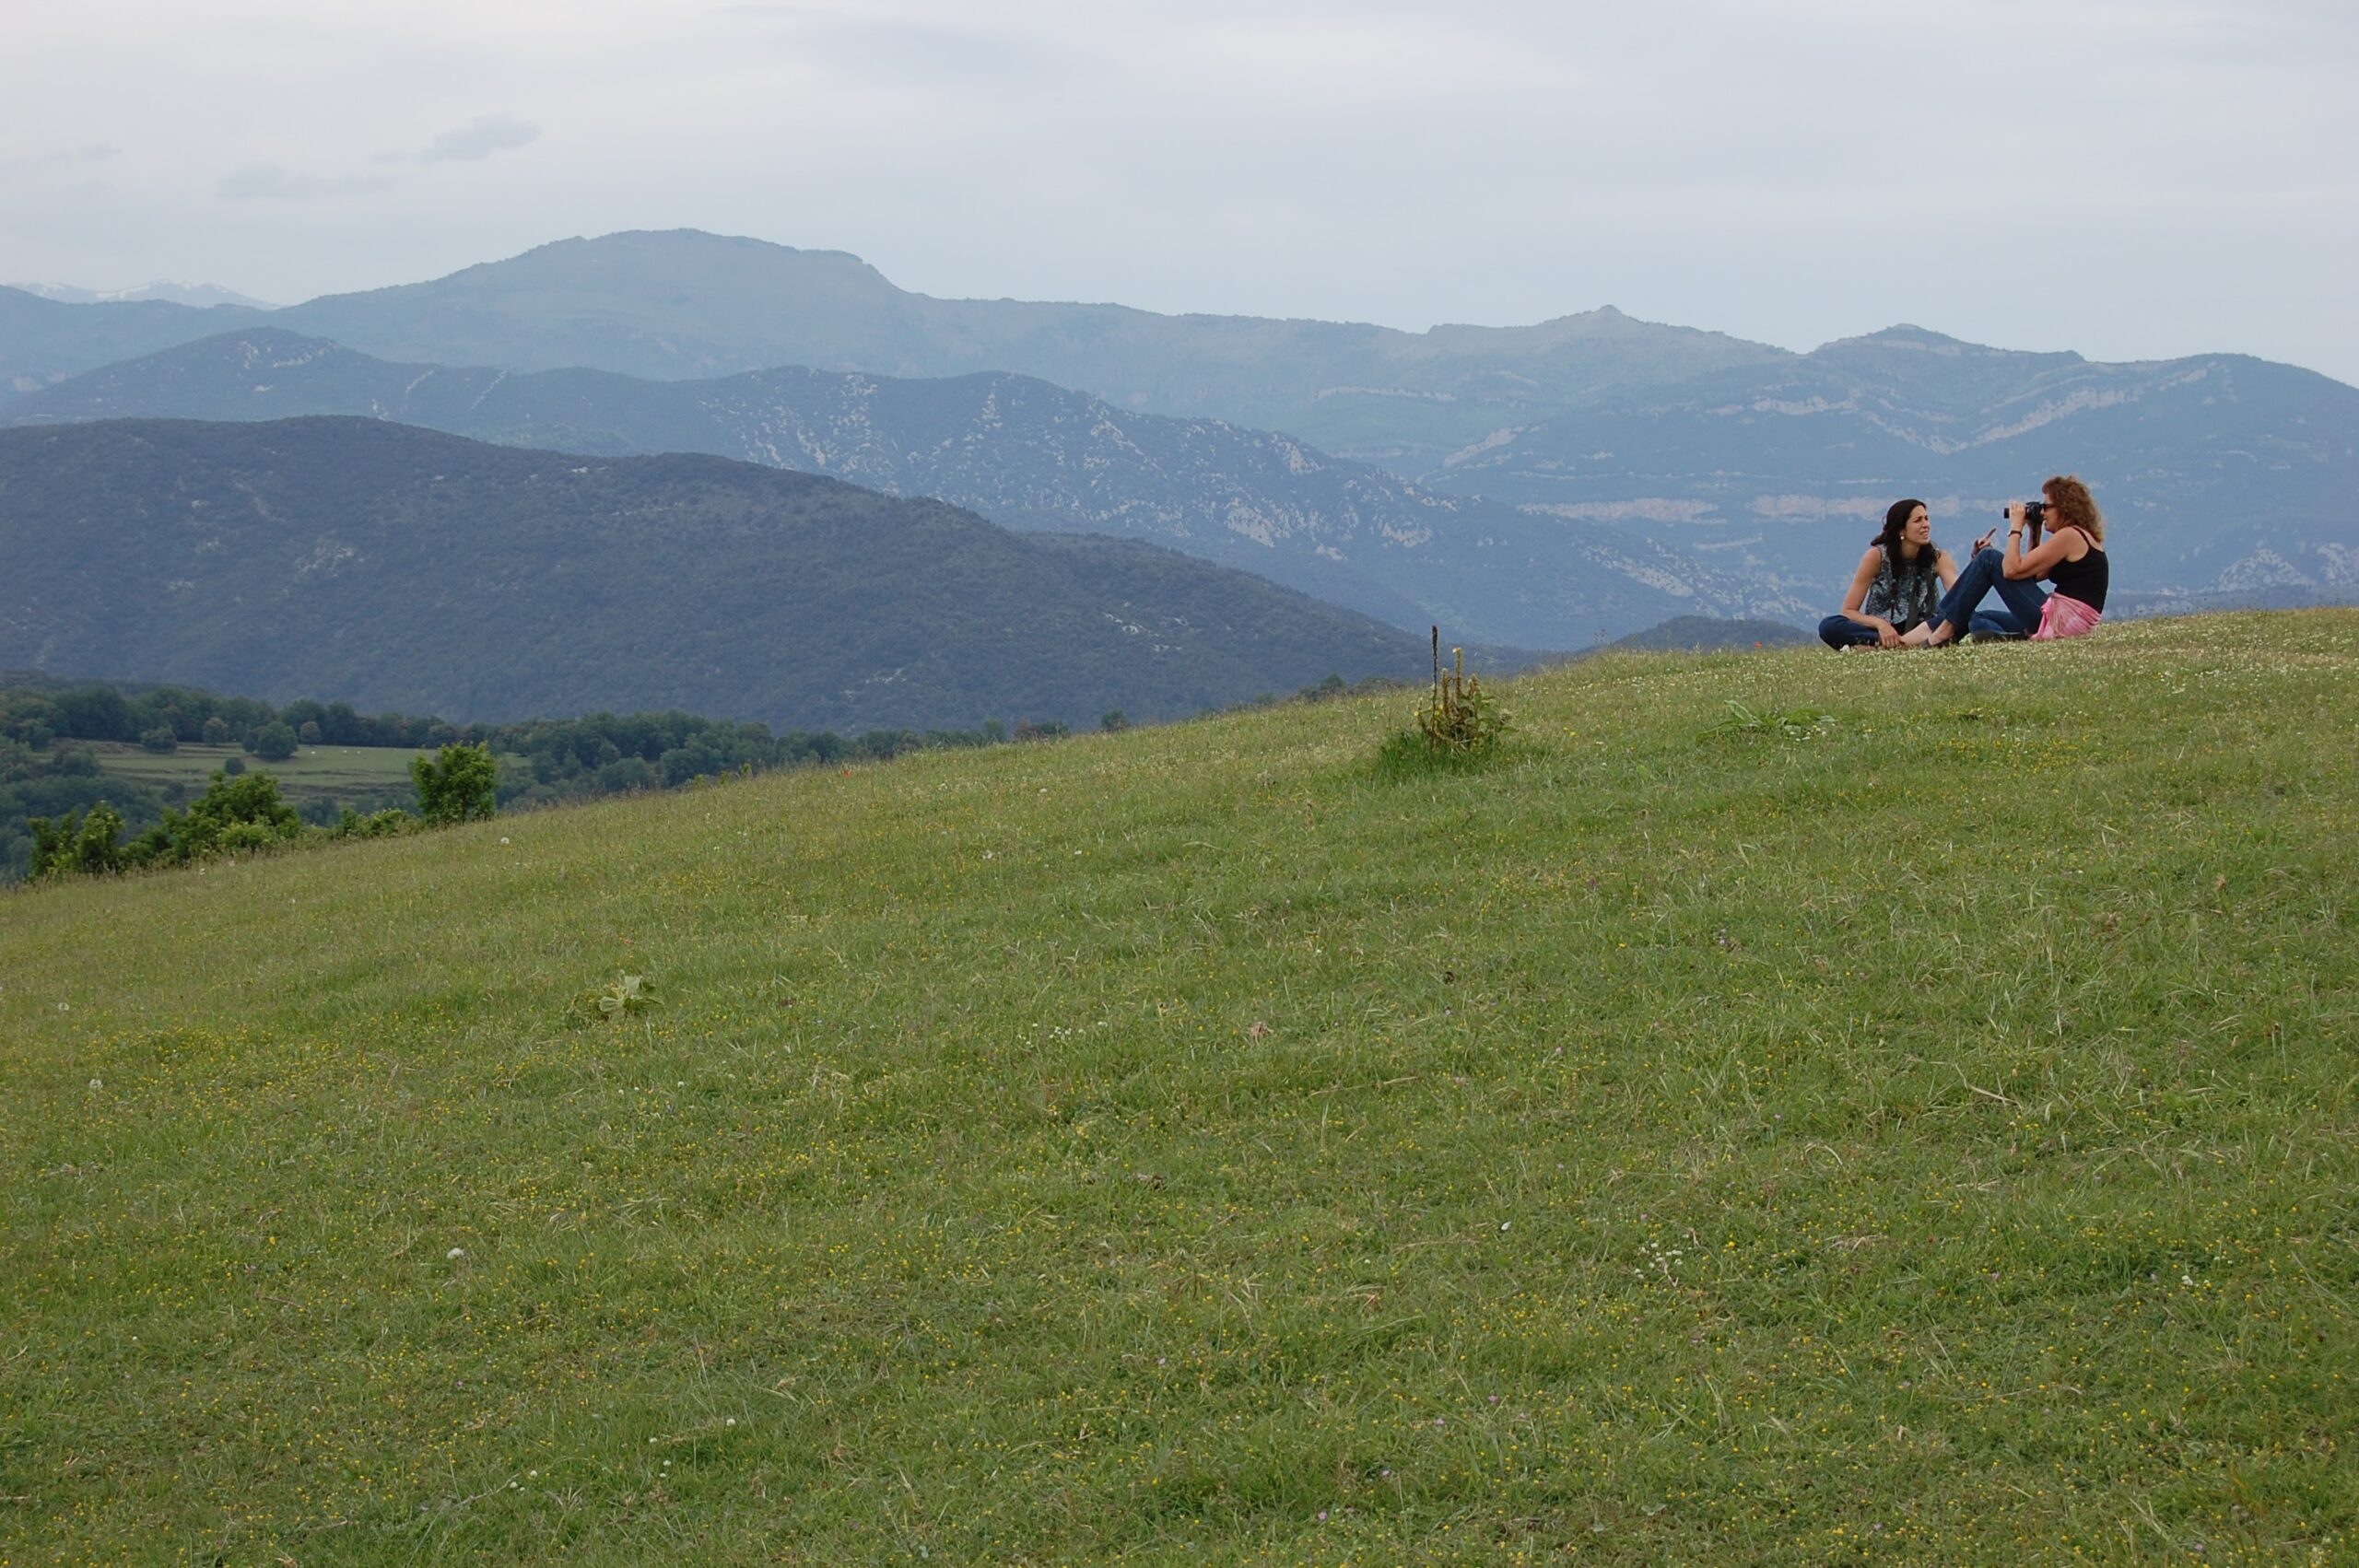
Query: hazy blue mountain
686, 305
2227, 474
2218, 475
43, 341
399, 569
202, 296
1019, 450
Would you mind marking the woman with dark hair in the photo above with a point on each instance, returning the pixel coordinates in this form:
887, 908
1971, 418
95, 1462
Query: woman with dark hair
2072, 556
1899, 587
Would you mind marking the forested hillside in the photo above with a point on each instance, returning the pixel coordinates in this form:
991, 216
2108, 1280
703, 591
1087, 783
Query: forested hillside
1019, 450
398, 569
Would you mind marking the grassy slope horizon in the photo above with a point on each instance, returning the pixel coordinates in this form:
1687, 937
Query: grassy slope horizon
1929, 1134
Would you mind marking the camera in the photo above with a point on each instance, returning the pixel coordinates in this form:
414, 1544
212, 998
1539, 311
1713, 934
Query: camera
2035, 513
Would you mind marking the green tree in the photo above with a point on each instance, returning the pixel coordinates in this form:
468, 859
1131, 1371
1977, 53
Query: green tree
81, 844
217, 731
159, 739
460, 784
233, 814
92, 713
274, 742
1114, 720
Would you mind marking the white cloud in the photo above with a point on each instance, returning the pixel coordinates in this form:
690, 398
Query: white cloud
269, 182
479, 138
57, 160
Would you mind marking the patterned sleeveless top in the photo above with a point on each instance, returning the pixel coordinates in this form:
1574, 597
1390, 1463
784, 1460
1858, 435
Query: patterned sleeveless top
1903, 598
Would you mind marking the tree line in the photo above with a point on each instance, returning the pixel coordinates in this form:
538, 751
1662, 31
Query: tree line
60, 810
50, 774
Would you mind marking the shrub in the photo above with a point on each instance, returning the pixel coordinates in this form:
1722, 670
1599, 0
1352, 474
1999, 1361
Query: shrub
274, 741
79, 844
232, 814
216, 732
235, 836
387, 823
234, 767
160, 740
460, 784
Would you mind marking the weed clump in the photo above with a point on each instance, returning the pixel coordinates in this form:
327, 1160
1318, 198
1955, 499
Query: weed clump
616, 1002
1763, 724
1459, 725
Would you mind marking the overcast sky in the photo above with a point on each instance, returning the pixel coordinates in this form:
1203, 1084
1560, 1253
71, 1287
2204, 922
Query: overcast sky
2133, 178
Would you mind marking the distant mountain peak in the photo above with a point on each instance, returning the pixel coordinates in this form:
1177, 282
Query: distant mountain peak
1906, 335
201, 295
1909, 338
640, 245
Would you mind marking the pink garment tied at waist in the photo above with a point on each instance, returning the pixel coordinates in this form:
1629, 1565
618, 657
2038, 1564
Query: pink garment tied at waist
2064, 616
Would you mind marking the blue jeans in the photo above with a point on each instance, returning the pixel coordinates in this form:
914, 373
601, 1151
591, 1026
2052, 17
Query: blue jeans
1987, 570
1842, 631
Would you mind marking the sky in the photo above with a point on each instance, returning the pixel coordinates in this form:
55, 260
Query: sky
2133, 181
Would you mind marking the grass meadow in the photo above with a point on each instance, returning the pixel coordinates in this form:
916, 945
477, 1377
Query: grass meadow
1909, 1115
330, 774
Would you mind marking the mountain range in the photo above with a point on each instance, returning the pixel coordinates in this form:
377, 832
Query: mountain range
400, 568
1020, 452
2219, 474
683, 305
201, 295
1760, 471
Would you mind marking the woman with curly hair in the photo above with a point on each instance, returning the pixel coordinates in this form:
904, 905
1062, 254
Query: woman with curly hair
1898, 586
2072, 556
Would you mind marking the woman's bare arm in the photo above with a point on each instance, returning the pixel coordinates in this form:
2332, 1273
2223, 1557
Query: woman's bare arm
1861, 581
2064, 544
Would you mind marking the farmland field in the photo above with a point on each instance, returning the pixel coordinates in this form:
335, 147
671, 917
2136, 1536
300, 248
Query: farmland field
313, 773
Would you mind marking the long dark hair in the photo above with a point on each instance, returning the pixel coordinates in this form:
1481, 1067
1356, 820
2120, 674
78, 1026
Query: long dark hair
1896, 522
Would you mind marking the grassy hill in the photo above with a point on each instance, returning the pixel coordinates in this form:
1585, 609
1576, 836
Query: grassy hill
1908, 1114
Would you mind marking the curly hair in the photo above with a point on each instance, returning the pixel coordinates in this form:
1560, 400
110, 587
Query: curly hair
2070, 504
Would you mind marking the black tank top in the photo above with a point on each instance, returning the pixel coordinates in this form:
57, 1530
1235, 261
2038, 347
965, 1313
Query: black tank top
2083, 580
